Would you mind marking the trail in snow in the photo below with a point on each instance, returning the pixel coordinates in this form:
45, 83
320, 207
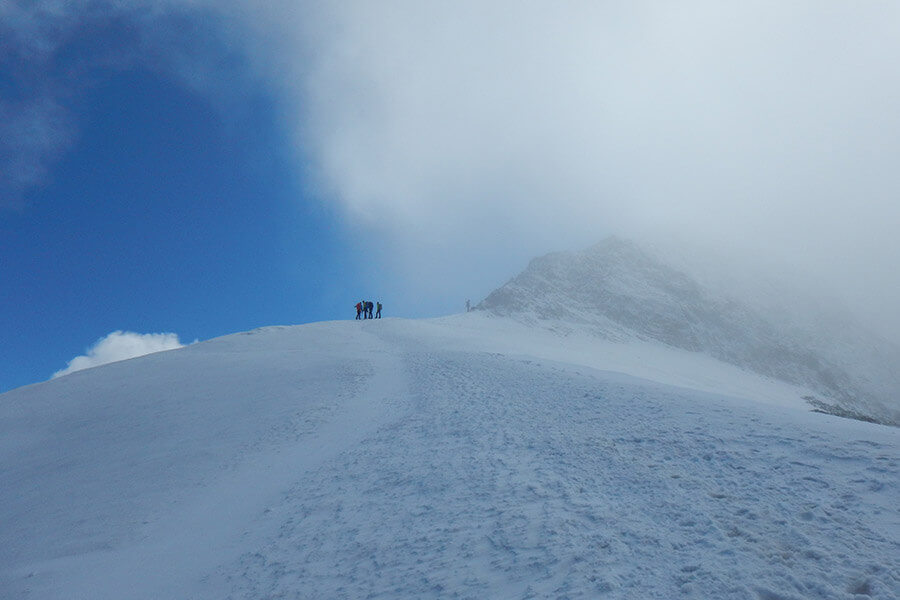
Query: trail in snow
398, 459
516, 479
198, 527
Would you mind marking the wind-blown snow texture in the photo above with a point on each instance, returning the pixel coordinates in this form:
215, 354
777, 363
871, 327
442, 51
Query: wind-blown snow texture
468, 457
619, 290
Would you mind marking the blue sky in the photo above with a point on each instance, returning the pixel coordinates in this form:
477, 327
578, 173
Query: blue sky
204, 167
163, 214
163, 218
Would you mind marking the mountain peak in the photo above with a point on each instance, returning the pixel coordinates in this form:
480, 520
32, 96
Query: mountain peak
610, 287
619, 290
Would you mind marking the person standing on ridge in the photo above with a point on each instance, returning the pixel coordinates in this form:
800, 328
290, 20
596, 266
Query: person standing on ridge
378, 310
358, 310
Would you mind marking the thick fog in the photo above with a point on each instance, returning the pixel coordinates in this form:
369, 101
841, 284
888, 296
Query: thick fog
476, 135
461, 139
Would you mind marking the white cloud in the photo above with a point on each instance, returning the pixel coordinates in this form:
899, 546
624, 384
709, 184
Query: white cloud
121, 345
466, 137
475, 134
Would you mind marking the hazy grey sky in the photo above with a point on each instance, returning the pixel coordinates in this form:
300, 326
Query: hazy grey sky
465, 137
476, 134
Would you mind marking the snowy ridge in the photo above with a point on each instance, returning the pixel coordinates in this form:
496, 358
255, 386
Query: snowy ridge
619, 291
467, 457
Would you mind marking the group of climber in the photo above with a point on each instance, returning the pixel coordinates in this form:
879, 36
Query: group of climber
364, 310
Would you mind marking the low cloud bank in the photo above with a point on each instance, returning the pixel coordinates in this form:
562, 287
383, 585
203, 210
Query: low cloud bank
468, 137
121, 345
473, 136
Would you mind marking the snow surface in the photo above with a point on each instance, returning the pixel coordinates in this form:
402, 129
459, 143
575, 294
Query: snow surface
465, 457
620, 290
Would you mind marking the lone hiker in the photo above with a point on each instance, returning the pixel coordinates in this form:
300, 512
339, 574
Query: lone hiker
378, 310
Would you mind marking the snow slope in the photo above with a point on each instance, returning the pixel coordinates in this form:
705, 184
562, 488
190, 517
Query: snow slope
620, 290
465, 457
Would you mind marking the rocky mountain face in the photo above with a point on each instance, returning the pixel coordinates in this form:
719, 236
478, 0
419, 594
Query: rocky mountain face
620, 290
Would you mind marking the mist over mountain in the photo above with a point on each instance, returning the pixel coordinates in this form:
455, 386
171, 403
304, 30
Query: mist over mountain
621, 290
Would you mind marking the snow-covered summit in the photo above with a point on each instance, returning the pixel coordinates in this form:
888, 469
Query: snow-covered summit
465, 457
620, 290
